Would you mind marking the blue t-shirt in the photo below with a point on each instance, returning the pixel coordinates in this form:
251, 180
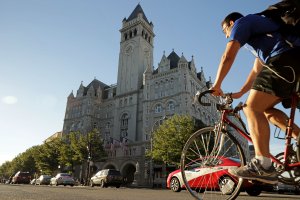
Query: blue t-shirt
261, 34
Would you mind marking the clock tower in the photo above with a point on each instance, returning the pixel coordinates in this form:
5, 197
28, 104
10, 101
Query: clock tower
136, 51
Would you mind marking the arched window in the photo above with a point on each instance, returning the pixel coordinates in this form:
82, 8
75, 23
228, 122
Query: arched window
158, 108
124, 120
171, 105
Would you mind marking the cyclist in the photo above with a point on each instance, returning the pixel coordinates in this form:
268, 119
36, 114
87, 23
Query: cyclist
275, 72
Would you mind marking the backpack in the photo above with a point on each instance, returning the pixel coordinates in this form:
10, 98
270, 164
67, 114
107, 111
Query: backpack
287, 14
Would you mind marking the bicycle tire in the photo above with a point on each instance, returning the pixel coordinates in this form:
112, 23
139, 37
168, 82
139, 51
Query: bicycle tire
298, 148
205, 152
289, 177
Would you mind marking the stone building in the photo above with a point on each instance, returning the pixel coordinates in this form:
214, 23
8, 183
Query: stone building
127, 112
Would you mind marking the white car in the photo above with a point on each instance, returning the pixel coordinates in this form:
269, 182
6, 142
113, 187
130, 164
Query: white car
62, 179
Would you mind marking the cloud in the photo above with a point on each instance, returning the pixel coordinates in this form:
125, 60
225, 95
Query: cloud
9, 100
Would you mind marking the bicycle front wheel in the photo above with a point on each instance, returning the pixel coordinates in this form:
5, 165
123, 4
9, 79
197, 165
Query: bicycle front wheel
205, 160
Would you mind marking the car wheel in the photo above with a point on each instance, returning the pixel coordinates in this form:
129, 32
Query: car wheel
175, 185
102, 184
226, 185
253, 191
118, 186
56, 183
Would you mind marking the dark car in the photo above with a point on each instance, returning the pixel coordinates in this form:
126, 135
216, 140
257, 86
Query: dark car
21, 177
107, 177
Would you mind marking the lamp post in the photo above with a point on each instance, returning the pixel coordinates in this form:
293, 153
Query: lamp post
88, 147
156, 123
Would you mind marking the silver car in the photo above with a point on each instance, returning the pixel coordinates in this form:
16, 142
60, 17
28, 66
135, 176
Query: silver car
43, 180
62, 179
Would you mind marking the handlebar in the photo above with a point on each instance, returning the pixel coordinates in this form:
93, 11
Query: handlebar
225, 103
199, 96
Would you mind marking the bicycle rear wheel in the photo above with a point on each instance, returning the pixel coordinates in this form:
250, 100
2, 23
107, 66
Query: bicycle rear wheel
205, 160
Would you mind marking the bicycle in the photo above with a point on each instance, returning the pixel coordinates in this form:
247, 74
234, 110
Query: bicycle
206, 148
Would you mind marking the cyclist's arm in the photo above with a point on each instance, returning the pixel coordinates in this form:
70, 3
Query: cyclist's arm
257, 67
226, 62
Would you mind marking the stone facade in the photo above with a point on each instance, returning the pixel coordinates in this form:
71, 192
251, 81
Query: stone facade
127, 113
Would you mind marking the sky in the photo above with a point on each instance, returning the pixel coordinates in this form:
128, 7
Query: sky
48, 47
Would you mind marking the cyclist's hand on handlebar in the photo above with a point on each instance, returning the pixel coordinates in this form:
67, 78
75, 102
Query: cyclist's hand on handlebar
216, 91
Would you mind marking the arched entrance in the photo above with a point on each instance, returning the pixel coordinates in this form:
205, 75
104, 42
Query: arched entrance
128, 173
110, 166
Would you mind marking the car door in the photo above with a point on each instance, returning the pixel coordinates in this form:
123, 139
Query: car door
97, 178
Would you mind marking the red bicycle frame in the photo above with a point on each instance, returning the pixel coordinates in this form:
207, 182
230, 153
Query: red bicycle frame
288, 134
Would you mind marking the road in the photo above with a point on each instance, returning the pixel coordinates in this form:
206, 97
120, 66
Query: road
31, 192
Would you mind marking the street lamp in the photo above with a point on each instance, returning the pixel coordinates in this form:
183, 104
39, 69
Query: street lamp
156, 123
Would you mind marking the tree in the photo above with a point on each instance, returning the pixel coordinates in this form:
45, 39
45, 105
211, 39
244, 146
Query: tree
170, 137
78, 148
47, 156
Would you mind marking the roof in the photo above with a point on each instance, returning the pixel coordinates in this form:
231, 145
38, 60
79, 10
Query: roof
174, 58
96, 84
138, 9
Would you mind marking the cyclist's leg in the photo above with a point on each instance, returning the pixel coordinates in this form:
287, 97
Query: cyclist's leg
279, 118
256, 105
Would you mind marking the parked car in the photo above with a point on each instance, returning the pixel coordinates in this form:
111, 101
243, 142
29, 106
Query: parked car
107, 177
62, 179
21, 177
217, 177
43, 180
284, 188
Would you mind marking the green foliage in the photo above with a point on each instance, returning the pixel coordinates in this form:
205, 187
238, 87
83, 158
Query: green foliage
46, 156
170, 137
73, 149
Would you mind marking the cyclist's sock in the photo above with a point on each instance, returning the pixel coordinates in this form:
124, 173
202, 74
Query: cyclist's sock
264, 161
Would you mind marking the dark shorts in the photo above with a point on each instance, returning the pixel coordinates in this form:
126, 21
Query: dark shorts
267, 81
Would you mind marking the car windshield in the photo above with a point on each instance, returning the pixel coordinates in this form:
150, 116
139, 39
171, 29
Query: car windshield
23, 174
203, 162
235, 159
114, 172
65, 175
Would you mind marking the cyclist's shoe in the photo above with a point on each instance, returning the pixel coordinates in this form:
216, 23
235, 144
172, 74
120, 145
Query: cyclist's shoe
254, 171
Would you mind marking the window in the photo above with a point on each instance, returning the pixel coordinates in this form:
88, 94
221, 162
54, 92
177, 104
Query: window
124, 120
171, 105
158, 108
107, 126
95, 126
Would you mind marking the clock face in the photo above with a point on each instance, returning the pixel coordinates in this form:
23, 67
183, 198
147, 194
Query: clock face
128, 50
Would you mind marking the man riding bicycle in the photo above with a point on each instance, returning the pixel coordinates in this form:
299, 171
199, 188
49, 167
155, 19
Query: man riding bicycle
274, 74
